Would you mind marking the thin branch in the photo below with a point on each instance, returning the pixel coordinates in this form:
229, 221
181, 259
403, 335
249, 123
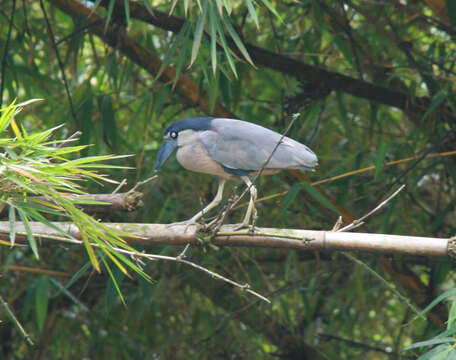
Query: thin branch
61, 66
16, 321
358, 222
365, 347
5, 51
72, 138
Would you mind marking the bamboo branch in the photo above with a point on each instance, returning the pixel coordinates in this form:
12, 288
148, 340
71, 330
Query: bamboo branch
102, 203
177, 235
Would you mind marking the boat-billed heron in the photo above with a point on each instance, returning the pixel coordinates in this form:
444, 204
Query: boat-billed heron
231, 149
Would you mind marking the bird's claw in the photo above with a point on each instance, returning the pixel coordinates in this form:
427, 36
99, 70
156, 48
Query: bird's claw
187, 224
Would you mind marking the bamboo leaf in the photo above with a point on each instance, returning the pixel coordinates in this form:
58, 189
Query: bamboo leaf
15, 128
225, 45
213, 34
41, 300
31, 240
109, 14
435, 302
199, 33
317, 196
89, 248
438, 99
433, 341
272, 9
382, 149
127, 11
113, 281
12, 221
252, 12
237, 40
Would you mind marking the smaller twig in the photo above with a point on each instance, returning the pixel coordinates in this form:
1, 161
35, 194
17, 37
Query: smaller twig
141, 183
59, 61
73, 137
5, 52
215, 275
359, 222
122, 183
182, 254
16, 321
245, 287
338, 224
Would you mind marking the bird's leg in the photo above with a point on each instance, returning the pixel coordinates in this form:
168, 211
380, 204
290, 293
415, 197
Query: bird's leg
251, 208
217, 199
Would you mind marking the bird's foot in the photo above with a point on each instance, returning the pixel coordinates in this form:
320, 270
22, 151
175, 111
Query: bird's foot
187, 223
235, 227
246, 223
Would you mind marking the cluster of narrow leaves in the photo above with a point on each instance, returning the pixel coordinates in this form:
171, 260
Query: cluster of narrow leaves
214, 20
37, 179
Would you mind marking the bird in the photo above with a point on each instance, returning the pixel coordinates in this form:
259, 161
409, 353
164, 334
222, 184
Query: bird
231, 149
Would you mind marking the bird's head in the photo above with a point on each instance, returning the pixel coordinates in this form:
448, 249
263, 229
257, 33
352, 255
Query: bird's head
180, 133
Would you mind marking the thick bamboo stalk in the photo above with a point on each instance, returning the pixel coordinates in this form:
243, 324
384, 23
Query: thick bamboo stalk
177, 235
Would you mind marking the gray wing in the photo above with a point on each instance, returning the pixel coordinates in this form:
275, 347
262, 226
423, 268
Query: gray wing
242, 145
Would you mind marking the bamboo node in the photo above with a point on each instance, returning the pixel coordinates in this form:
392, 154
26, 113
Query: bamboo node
451, 248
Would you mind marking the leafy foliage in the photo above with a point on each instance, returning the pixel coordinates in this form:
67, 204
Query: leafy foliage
37, 179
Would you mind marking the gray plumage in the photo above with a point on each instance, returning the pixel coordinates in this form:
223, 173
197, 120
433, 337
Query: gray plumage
230, 149
240, 145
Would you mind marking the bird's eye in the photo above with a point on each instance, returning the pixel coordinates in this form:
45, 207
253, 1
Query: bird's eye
173, 134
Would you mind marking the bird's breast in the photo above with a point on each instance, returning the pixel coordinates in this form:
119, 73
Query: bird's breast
194, 157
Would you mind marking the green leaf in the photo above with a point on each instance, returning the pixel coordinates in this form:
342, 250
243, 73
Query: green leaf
109, 297
12, 221
109, 15
41, 300
441, 352
237, 40
6, 116
433, 341
225, 45
30, 238
440, 298
127, 11
199, 33
68, 294
77, 275
438, 99
252, 12
109, 121
289, 198
382, 149
452, 316
181, 38
317, 196
339, 40
213, 34
271, 9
